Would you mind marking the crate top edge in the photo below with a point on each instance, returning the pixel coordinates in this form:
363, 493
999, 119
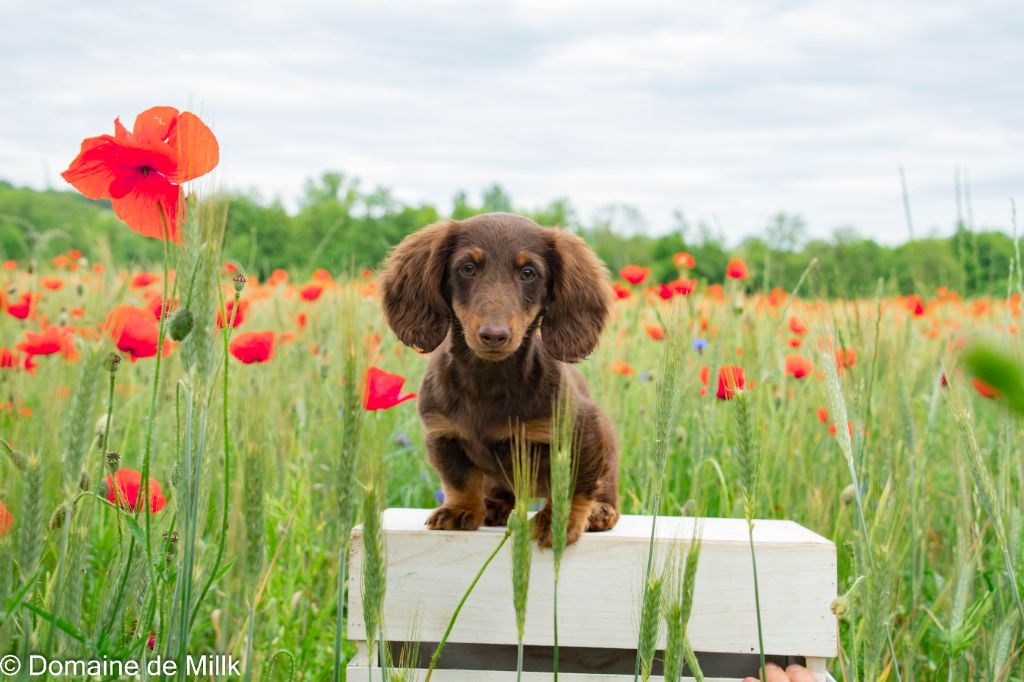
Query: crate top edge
402, 520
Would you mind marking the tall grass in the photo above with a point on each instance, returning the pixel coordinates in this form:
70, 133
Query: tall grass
942, 567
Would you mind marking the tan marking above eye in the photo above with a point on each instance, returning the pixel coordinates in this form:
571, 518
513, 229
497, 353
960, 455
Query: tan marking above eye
477, 255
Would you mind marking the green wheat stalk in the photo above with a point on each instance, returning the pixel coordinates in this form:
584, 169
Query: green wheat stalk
678, 606
664, 419
650, 625
354, 362
374, 484
524, 476
748, 458
984, 487
562, 483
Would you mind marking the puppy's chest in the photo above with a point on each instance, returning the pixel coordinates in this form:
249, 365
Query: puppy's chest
481, 438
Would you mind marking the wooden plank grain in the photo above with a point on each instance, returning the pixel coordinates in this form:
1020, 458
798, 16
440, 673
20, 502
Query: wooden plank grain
600, 586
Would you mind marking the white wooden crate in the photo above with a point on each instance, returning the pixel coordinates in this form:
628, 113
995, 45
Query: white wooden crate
598, 597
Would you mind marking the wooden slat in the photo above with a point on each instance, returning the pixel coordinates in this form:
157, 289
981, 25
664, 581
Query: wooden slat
361, 674
600, 586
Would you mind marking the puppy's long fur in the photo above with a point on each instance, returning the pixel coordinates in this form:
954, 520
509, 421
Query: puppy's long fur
505, 305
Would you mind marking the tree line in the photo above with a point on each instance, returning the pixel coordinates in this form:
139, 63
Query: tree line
340, 226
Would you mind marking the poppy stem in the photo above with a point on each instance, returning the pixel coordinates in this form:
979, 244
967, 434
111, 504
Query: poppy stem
147, 452
227, 463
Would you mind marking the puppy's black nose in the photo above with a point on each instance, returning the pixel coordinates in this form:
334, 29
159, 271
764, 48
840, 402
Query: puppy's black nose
494, 336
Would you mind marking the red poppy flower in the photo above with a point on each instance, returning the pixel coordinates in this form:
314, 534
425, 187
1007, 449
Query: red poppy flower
655, 331
845, 358
737, 269
796, 326
984, 390
74, 254
134, 331
52, 283
311, 292
10, 265
634, 274
141, 171
230, 268
915, 305
383, 390
322, 275
278, 276
301, 319
154, 304
620, 291
51, 340
798, 366
8, 360
129, 485
21, 309
684, 260
144, 279
6, 520
730, 380
833, 429
250, 347
622, 368
682, 286
716, 291
822, 415
665, 292
229, 309
795, 342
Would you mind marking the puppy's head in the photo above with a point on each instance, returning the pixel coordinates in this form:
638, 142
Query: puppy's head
495, 275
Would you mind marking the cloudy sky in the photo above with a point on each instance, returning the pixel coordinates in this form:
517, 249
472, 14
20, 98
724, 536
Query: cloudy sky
729, 112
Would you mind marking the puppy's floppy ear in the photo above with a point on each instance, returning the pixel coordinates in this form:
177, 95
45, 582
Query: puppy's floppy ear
414, 288
579, 298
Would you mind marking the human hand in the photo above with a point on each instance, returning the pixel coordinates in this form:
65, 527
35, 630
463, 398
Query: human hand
794, 673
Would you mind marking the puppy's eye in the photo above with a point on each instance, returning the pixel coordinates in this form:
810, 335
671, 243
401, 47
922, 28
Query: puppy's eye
528, 274
469, 269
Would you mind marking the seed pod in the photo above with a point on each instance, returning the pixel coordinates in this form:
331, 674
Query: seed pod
112, 362
113, 460
841, 606
181, 324
239, 281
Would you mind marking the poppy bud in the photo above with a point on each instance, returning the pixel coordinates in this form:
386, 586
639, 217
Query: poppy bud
79, 289
181, 324
112, 362
239, 281
848, 494
58, 516
83, 481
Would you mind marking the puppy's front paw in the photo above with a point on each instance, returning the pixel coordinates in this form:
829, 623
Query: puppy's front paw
454, 518
542, 529
603, 516
496, 512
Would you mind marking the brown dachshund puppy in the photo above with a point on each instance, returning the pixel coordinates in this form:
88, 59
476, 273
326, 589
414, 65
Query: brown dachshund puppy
507, 305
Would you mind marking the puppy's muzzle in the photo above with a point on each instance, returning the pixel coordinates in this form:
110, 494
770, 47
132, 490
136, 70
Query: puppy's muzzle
494, 336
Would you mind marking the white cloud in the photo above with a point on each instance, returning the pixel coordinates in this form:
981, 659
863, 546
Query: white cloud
728, 112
